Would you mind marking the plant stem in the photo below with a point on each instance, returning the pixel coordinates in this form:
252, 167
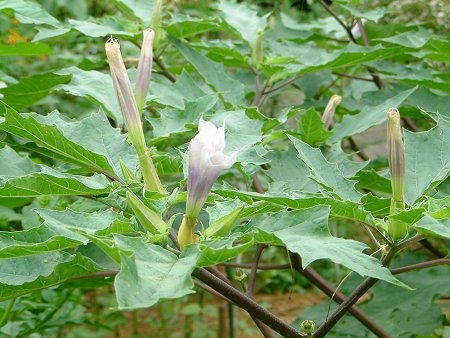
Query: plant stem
247, 304
167, 73
5, 316
350, 300
260, 266
423, 265
336, 296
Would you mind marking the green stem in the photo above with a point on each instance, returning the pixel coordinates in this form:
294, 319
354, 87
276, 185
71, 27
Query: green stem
7, 311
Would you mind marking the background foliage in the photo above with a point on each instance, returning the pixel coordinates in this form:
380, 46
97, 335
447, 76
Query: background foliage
69, 236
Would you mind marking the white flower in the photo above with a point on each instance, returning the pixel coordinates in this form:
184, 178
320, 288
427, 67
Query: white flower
206, 161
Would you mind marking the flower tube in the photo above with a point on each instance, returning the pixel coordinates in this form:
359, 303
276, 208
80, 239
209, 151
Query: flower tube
130, 113
206, 161
144, 69
396, 158
328, 114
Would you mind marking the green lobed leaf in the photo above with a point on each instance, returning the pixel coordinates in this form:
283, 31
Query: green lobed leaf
95, 86
31, 89
372, 180
243, 19
150, 273
182, 26
35, 241
229, 89
175, 95
67, 267
21, 177
326, 173
29, 12
25, 49
311, 128
175, 121
427, 159
306, 232
298, 201
368, 117
430, 226
289, 60
215, 251
103, 28
141, 10
73, 141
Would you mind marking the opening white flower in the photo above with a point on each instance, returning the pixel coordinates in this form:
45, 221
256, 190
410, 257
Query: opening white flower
206, 161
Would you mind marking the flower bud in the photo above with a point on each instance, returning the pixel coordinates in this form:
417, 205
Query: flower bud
144, 69
328, 114
149, 219
396, 159
258, 52
130, 113
156, 24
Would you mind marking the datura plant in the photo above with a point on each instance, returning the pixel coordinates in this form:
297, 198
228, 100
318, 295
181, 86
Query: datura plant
159, 149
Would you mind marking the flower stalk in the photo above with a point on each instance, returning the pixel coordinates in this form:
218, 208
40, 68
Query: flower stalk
131, 114
396, 158
206, 161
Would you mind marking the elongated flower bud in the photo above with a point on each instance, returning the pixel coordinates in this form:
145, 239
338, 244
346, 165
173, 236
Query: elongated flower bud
328, 114
396, 159
206, 161
130, 113
144, 69
156, 24
258, 52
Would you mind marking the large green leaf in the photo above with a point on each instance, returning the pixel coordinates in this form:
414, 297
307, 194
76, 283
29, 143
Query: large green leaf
368, 117
150, 273
433, 227
29, 12
74, 141
182, 26
34, 241
21, 177
427, 159
244, 20
141, 10
306, 233
31, 89
95, 86
289, 60
42, 271
105, 27
230, 90
325, 173
298, 201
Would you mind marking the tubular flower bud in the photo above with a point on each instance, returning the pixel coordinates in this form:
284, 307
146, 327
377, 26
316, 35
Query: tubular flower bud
156, 23
206, 161
130, 112
396, 159
328, 114
144, 69
258, 52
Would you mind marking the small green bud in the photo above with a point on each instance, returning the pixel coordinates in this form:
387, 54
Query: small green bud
156, 24
223, 225
258, 52
149, 219
307, 326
